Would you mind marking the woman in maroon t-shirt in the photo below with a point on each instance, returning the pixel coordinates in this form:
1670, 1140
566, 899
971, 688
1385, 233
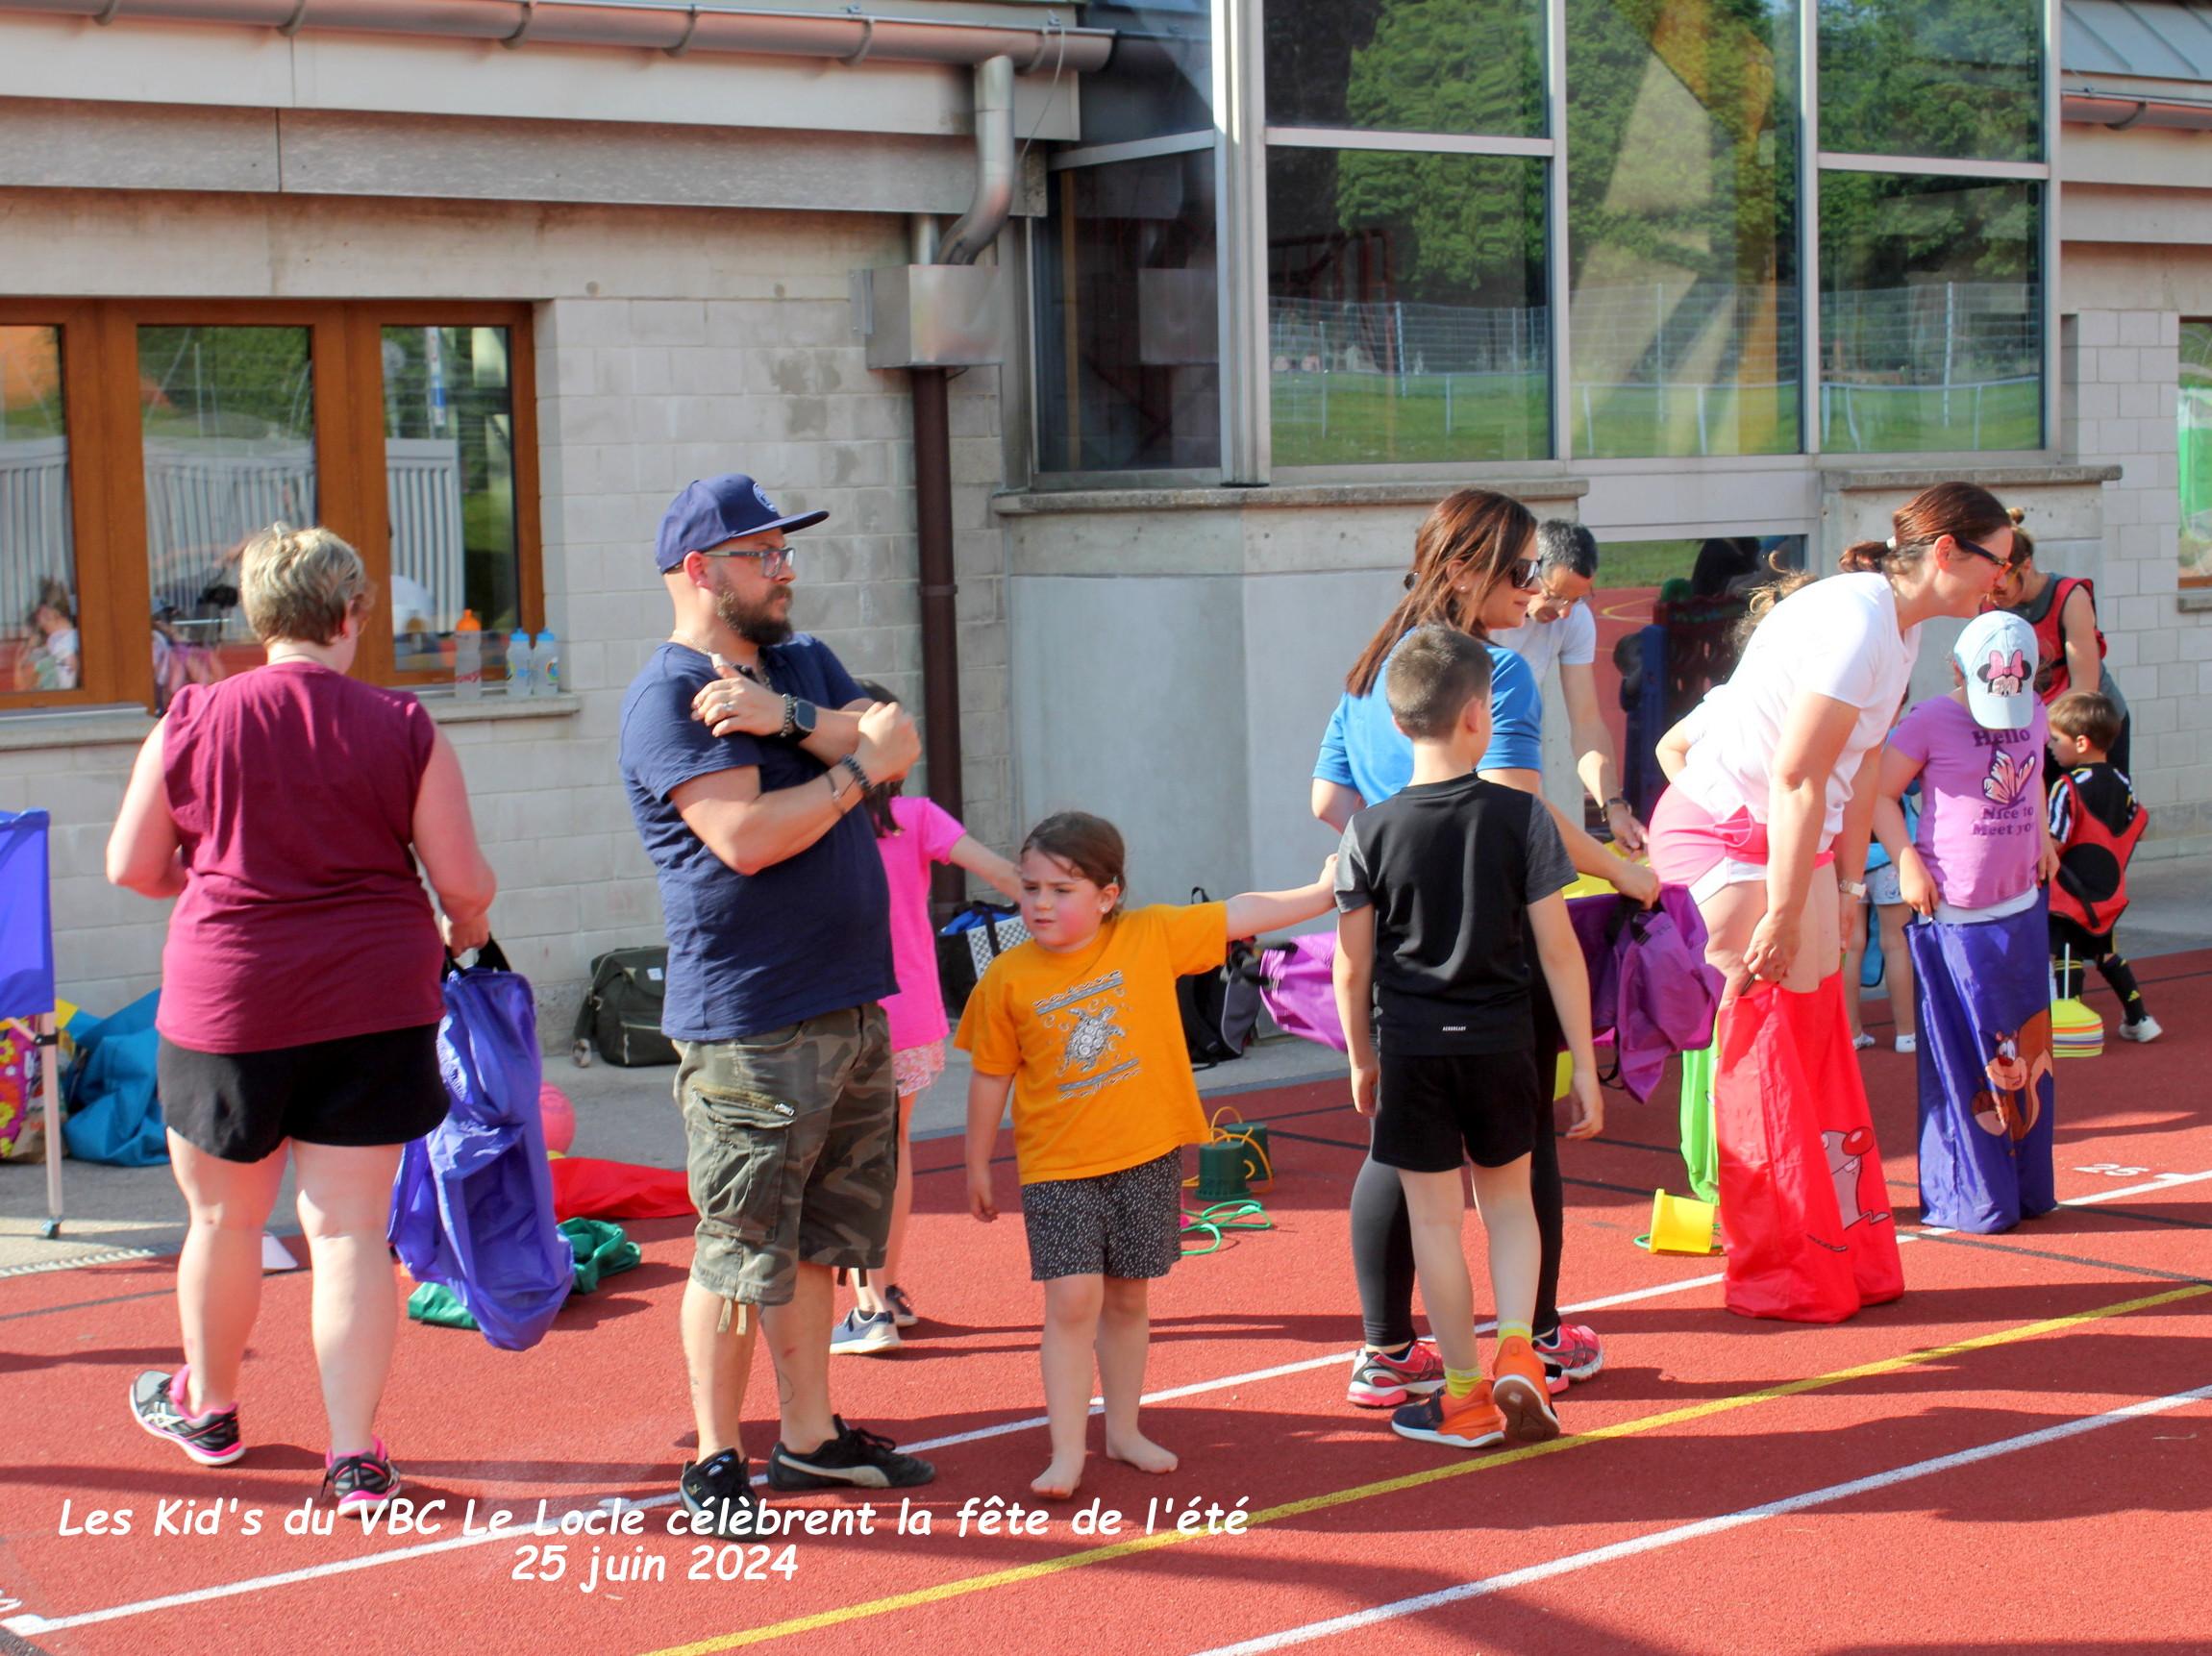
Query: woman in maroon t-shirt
285, 810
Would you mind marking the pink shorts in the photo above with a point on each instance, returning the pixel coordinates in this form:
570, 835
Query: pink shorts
1690, 847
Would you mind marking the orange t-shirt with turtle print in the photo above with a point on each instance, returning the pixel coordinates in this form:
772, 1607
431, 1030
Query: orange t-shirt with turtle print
1094, 1041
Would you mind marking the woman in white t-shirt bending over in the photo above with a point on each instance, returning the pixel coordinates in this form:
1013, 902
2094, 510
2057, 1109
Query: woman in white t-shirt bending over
1776, 799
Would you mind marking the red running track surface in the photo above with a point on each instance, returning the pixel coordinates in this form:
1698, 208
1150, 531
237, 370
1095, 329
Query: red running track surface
1630, 1535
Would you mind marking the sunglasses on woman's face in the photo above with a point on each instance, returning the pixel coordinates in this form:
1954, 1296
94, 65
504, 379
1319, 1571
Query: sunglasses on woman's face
1982, 552
1523, 575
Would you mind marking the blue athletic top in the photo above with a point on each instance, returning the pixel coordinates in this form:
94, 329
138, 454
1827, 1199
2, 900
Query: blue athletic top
1363, 750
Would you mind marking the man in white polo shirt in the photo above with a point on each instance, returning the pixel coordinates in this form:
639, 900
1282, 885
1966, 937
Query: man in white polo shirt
1562, 628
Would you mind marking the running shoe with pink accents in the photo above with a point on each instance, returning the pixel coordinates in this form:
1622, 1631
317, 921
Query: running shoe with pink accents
361, 1483
1381, 1381
1574, 1350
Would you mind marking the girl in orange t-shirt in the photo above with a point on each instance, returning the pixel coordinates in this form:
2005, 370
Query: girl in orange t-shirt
1080, 1025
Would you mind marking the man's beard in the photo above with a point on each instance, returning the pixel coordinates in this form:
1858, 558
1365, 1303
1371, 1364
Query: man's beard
764, 623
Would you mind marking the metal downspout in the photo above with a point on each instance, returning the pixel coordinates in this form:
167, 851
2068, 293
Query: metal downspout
938, 589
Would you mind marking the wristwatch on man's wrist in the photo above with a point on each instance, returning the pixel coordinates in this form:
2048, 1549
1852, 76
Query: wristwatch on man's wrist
1617, 800
798, 719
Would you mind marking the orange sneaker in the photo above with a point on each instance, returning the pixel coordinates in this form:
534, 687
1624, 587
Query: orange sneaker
1469, 1423
1518, 1389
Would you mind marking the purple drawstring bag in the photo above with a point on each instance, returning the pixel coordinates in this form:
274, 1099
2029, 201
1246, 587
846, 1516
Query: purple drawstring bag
472, 1207
1649, 980
1298, 987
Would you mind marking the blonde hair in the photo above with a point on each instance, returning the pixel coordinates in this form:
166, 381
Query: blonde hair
300, 583
1769, 593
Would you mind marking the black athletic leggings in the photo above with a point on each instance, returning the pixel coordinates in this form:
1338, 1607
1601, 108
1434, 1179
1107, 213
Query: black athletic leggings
1382, 1236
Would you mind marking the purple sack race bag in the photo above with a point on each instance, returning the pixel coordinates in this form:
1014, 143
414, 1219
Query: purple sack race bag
472, 1207
1298, 987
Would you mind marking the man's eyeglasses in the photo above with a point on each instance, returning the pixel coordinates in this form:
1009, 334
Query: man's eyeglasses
775, 561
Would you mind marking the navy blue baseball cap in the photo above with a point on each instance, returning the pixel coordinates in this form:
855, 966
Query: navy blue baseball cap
709, 513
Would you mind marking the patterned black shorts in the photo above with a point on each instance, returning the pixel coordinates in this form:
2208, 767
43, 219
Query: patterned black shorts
1127, 1223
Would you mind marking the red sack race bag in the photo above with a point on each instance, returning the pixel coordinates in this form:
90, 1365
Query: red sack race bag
584, 1187
1803, 1208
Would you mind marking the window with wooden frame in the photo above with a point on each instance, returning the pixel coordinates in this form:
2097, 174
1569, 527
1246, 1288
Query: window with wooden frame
141, 441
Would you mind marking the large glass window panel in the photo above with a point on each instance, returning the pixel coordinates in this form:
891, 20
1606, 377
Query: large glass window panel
1682, 187
449, 477
1406, 307
1959, 79
1462, 66
1160, 78
229, 433
40, 648
1931, 315
2194, 447
1129, 338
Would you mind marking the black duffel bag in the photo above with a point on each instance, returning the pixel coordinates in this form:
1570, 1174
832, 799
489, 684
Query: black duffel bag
621, 1012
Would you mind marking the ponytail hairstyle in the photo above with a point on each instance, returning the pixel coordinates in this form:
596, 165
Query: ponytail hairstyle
879, 800
1964, 512
1474, 532
1768, 593
2022, 546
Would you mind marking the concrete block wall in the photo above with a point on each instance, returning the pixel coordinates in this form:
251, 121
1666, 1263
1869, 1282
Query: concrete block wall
670, 344
2120, 376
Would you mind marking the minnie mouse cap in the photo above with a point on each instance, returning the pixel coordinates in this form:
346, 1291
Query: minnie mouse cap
1996, 655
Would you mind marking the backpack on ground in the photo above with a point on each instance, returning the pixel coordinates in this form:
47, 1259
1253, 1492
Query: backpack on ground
1220, 1008
621, 1012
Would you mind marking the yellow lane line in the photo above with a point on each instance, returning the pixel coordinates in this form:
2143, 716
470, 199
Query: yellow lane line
1044, 1566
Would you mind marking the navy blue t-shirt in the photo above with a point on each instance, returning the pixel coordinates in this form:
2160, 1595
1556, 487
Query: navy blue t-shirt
748, 954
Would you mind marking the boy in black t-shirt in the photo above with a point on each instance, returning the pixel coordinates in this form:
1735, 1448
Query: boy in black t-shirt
2094, 822
1436, 889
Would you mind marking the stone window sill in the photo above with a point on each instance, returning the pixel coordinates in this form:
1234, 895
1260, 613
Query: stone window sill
2194, 600
127, 726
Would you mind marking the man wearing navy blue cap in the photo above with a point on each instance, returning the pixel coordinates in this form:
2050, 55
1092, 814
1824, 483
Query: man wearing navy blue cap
746, 750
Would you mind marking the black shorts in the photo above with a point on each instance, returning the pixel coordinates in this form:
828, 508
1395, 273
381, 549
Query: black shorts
1433, 1113
381, 1089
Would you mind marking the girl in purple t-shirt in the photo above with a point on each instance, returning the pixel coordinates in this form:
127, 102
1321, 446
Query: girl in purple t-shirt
1983, 846
913, 835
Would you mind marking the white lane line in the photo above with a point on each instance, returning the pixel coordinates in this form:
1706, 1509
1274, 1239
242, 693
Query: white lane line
1663, 1538
25, 1625
2164, 1181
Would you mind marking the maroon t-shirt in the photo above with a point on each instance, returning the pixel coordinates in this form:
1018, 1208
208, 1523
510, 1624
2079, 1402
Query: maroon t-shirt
303, 918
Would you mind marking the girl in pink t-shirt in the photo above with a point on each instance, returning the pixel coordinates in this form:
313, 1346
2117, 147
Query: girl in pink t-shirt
913, 835
1983, 846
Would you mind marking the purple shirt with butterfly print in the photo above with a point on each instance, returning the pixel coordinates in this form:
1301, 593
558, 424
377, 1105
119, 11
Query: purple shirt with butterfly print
1981, 801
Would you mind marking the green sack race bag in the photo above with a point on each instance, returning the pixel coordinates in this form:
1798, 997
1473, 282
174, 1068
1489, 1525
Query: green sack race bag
1701, 1153
602, 1249
620, 1017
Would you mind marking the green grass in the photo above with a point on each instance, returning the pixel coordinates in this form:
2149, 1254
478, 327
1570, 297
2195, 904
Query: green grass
1368, 419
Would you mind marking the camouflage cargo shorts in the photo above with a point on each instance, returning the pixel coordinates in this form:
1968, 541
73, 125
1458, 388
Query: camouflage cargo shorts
792, 1147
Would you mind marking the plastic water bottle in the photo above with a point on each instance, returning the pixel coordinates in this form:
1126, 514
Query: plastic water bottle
468, 656
521, 668
545, 664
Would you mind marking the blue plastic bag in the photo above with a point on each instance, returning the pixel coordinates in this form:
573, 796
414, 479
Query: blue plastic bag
472, 1208
114, 1113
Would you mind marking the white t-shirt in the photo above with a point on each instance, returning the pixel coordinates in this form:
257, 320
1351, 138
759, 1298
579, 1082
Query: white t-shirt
1572, 638
1838, 638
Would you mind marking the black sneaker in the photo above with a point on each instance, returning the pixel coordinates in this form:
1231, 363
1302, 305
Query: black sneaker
721, 1489
852, 1459
361, 1484
157, 1403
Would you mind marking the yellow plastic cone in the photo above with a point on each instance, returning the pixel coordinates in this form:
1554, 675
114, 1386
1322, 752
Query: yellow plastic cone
1683, 1224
